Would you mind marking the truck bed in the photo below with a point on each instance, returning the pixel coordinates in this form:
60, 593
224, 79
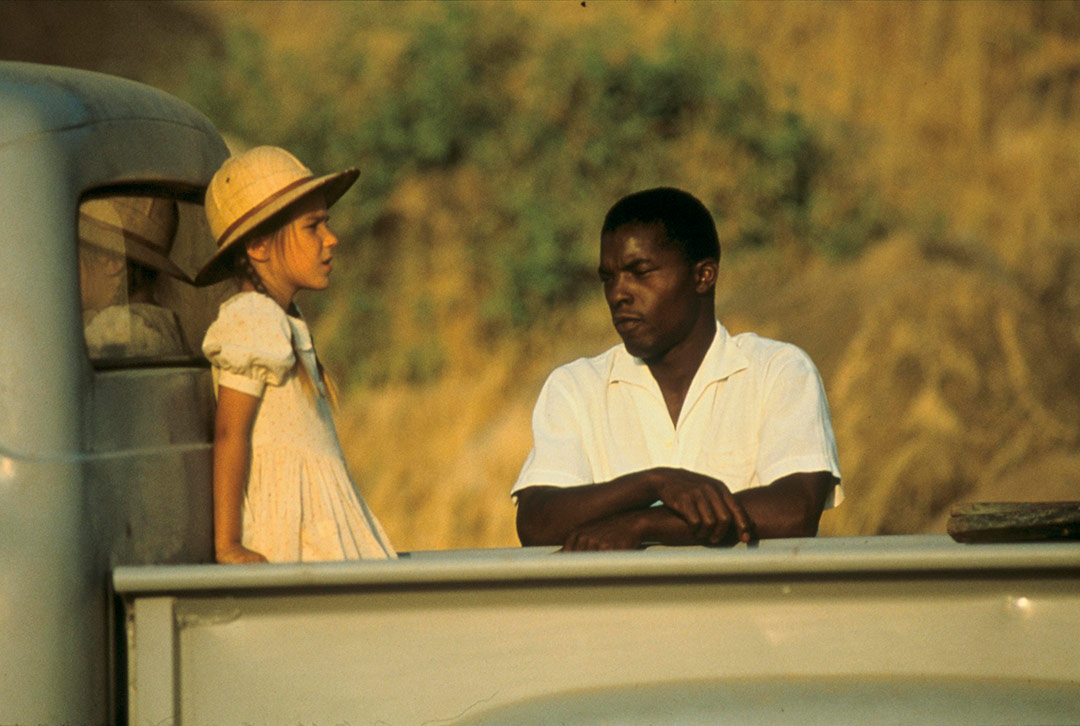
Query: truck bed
903, 628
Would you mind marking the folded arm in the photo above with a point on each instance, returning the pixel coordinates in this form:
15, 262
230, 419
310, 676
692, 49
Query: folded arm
705, 506
618, 514
791, 506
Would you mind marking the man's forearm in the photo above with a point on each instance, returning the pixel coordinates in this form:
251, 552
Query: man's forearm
660, 525
789, 507
546, 515
630, 530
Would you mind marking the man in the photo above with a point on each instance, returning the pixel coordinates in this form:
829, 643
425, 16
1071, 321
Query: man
683, 434
124, 243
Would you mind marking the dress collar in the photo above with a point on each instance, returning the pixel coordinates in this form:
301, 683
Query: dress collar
301, 333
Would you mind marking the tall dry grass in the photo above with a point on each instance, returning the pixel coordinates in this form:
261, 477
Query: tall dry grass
949, 350
957, 377
436, 459
949, 354
966, 113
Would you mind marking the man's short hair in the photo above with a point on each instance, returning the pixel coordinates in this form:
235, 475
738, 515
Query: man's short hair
687, 222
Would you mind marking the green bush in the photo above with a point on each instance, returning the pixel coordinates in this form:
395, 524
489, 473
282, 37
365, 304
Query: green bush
559, 126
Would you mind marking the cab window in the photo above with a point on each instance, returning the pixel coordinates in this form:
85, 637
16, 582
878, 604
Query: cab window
137, 253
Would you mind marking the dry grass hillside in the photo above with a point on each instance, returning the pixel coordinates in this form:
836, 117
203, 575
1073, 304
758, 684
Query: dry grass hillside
949, 338
953, 376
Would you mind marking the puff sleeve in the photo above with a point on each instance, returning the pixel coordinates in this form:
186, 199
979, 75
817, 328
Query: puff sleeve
250, 344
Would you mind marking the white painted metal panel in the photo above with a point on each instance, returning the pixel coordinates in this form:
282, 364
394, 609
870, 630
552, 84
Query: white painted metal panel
517, 635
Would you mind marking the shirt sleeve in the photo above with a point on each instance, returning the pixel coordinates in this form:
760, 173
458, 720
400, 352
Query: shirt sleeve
796, 432
250, 344
558, 455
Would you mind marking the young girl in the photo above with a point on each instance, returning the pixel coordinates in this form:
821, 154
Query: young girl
282, 492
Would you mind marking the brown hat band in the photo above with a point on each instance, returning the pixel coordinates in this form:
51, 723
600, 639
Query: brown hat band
125, 234
260, 206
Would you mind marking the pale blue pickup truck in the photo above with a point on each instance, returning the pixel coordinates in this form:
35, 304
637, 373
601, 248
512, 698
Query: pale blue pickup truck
111, 610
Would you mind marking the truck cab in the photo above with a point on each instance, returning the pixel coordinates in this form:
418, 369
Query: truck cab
105, 450
111, 610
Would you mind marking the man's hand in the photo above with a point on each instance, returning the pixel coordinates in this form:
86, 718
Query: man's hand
549, 515
617, 532
697, 510
706, 504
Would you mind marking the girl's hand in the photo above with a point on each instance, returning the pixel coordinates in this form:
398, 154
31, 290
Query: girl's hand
237, 554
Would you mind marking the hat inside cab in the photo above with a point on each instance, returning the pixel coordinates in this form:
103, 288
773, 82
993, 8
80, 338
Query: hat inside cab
141, 228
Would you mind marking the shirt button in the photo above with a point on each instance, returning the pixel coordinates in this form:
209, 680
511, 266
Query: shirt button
668, 443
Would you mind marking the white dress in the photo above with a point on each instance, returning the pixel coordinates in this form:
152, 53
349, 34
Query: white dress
300, 504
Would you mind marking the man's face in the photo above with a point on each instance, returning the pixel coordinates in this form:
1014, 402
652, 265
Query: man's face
100, 276
653, 291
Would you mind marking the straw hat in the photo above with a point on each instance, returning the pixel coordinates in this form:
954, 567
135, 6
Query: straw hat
251, 188
140, 228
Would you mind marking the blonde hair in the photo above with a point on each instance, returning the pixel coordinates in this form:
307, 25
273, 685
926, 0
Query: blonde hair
245, 271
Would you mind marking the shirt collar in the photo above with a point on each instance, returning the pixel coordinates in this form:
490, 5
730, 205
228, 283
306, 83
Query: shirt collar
722, 359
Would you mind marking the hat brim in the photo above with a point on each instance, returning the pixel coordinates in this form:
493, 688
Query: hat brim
102, 234
332, 186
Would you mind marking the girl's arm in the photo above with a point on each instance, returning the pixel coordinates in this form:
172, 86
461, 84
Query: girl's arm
232, 454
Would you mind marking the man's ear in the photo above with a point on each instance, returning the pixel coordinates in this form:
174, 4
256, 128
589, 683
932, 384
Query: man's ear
705, 275
114, 265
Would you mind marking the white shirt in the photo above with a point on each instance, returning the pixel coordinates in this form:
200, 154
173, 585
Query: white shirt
755, 412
